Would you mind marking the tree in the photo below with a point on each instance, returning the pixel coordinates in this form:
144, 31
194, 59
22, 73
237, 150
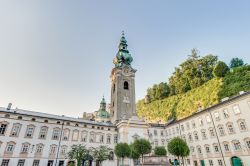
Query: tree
101, 153
142, 147
133, 153
220, 69
160, 151
77, 153
178, 147
236, 62
122, 150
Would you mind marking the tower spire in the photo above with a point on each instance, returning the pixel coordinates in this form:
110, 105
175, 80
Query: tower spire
123, 57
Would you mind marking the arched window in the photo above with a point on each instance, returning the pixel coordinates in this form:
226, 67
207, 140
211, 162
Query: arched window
196, 136
242, 124
113, 88
43, 132
125, 85
230, 127
111, 155
221, 130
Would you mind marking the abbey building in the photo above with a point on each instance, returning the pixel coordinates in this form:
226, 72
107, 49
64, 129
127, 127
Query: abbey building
216, 136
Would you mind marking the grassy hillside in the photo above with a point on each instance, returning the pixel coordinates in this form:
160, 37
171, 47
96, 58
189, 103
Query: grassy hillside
185, 104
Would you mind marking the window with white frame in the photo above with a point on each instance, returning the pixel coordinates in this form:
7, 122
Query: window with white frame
162, 134
156, 142
63, 150
190, 138
220, 162
200, 122
101, 138
193, 124
242, 124
52, 150
196, 138
21, 162
25, 147
211, 163
56, 133
3, 127
65, 134
162, 142
236, 109
216, 148
192, 150
207, 148
92, 137
29, 131
247, 142
177, 129
84, 136
15, 130
39, 148
5, 162
203, 134
236, 145
230, 128
211, 131
188, 126
36, 163
108, 139
225, 113
221, 130
75, 135
115, 138
199, 151
43, 132
208, 118
155, 132
182, 127
10, 147
173, 130
226, 146
217, 116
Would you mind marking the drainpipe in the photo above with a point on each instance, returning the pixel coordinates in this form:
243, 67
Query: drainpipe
217, 138
59, 144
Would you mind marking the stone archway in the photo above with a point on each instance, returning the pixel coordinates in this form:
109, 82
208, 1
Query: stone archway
236, 161
88, 160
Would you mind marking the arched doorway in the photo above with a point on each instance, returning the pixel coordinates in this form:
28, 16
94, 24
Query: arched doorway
236, 161
87, 161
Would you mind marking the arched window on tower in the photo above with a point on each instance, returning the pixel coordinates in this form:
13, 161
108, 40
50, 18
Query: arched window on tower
114, 88
125, 85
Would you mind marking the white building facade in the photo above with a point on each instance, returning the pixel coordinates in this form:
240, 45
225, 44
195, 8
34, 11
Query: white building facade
217, 136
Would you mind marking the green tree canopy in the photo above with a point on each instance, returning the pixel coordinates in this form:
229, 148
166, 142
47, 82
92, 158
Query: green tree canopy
77, 153
101, 153
221, 69
122, 150
178, 147
160, 151
133, 153
236, 62
142, 146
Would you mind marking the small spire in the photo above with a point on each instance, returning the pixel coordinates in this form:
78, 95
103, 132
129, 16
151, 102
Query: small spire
123, 34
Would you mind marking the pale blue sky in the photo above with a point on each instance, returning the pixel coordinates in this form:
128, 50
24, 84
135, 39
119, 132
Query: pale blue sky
56, 56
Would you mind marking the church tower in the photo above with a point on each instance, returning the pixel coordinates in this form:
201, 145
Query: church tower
123, 84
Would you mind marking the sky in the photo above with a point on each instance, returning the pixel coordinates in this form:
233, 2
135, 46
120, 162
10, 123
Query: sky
56, 55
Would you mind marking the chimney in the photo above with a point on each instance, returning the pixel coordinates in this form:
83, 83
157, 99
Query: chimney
9, 106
